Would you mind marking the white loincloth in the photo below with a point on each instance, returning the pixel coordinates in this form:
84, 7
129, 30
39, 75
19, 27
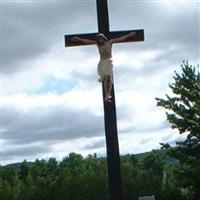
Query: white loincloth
105, 68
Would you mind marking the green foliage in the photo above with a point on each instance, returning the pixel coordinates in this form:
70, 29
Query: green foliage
81, 178
185, 104
184, 115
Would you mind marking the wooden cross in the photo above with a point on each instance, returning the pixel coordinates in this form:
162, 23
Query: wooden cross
113, 157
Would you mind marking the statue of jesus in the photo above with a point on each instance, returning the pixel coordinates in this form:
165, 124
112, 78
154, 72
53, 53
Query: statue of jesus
105, 66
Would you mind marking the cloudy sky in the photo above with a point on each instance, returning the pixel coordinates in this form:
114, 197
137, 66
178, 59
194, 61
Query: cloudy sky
51, 102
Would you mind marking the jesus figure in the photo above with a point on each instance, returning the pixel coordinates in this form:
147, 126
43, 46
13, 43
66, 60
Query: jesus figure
105, 66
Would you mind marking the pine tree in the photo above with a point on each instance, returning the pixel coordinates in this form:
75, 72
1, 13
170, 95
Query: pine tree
184, 115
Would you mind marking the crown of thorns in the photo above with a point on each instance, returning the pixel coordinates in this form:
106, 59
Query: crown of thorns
98, 35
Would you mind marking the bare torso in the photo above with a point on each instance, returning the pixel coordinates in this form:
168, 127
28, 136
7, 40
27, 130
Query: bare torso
105, 50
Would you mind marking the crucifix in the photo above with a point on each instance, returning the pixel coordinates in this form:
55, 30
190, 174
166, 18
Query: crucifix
110, 119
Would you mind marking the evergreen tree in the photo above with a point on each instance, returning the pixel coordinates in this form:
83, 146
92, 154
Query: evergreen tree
184, 115
81, 178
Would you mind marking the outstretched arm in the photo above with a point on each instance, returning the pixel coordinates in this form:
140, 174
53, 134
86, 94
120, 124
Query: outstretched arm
123, 38
82, 40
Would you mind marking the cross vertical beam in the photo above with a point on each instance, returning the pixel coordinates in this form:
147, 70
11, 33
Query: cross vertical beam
110, 119
102, 16
113, 156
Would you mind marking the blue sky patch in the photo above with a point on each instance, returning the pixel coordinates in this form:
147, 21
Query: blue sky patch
56, 86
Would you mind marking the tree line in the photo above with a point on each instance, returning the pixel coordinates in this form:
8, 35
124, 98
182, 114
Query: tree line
76, 177
169, 174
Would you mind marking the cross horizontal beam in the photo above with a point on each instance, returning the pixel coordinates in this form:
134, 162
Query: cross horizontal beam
111, 35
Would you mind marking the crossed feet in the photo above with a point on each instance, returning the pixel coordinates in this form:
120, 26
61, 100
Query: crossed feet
108, 98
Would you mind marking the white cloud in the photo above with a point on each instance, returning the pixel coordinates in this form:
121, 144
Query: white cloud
75, 114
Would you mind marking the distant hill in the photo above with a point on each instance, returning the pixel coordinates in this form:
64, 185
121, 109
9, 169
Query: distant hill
169, 160
14, 165
139, 156
17, 165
